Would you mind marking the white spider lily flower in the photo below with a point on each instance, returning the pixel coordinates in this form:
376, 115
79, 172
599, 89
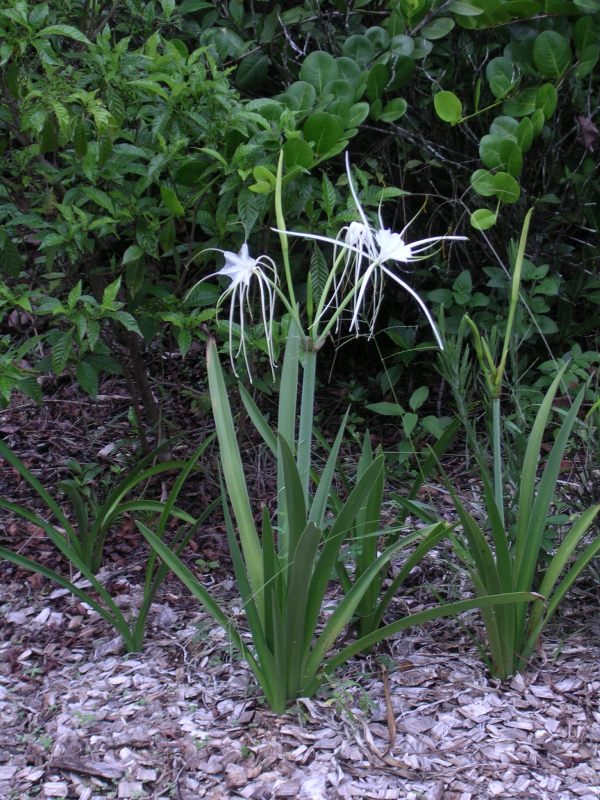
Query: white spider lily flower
241, 269
369, 250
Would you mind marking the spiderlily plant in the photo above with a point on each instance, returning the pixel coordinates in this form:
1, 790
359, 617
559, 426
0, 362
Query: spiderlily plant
283, 572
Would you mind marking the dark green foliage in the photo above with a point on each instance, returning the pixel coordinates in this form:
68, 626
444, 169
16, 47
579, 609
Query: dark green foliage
138, 135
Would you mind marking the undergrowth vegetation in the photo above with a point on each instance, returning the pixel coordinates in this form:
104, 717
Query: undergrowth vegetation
421, 174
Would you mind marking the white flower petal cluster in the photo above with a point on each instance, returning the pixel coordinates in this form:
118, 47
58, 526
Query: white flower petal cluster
369, 252
243, 270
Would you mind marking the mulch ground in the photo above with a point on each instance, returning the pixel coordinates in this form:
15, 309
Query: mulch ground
420, 718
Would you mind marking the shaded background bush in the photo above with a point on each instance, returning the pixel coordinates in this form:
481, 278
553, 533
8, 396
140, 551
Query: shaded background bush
136, 136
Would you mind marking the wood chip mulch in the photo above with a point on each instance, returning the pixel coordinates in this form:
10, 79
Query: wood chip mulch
183, 720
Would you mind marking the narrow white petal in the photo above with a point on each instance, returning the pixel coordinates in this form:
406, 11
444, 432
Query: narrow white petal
359, 298
336, 242
422, 305
359, 208
434, 239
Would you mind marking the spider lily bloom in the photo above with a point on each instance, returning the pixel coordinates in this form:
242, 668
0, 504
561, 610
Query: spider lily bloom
240, 268
369, 251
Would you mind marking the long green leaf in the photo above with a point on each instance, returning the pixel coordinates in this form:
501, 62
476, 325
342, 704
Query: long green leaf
234, 472
271, 571
514, 300
431, 538
155, 506
114, 616
529, 477
264, 656
259, 422
286, 423
200, 593
546, 492
344, 610
500, 632
566, 549
295, 631
318, 506
420, 618
82, 541
110, 506
294, 496
154, 575
305, 425
538, 619
434, 455
367, 540
478, 549
35, 484
556, 567
342, 526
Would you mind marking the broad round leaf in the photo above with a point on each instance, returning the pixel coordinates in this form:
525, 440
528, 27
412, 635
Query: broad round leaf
402, 69
422, 47
588, 58
551, 54
297, 152
340, 91
299, 96
525, 134
438, 28
359, 49
356, 115
324, 130
546, 98
319, 69
349, 70
252, 71
521, 105
505, 127
267, 108
482, 182
379, 38
588, 6
376, 108
497, 152
465, 9
584, 34
506, 188
482, 219
501, 75
448, 107
393, 110
402, 45
377, 81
